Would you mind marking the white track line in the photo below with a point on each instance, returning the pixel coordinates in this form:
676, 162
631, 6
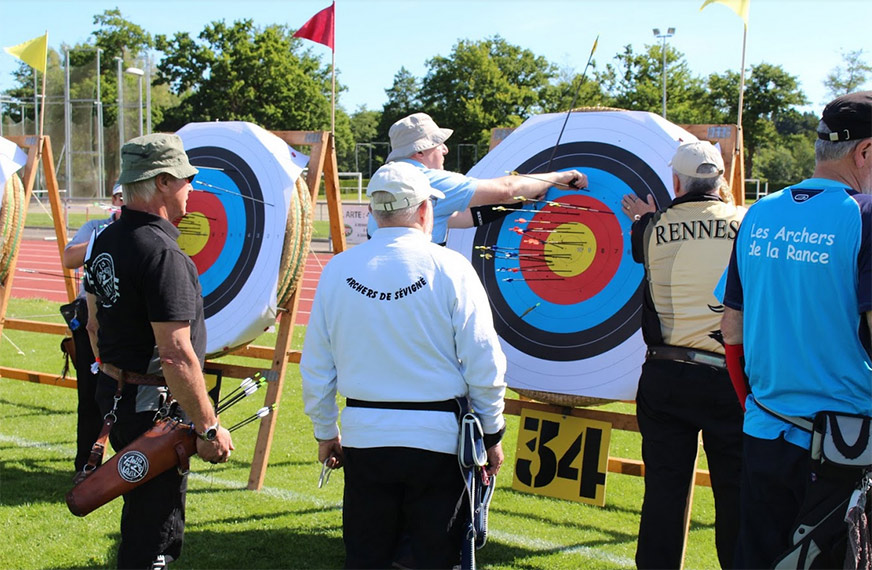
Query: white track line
533, 544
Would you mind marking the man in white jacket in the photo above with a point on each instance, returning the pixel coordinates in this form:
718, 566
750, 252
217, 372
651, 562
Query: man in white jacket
401, 328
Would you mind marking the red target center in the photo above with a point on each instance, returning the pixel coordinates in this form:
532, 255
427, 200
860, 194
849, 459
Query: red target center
203, 229
570, 252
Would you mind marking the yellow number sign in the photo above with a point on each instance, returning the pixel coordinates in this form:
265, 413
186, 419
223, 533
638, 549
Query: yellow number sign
562, 456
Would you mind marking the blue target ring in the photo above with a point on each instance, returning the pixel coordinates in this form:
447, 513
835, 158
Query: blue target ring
234, 210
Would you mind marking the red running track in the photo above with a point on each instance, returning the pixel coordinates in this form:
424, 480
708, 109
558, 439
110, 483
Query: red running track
39, 275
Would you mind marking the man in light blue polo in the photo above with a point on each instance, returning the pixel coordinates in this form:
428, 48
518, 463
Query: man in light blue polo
799, 297
418, 140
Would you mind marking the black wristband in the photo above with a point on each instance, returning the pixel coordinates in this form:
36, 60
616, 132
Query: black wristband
482, 215
491, 439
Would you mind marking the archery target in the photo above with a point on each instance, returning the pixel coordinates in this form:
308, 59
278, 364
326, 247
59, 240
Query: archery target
235, 225
565, 292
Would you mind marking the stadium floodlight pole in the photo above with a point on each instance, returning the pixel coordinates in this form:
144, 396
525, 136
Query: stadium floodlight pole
572, 106
148, 93
139, 74
120, 98
669, 33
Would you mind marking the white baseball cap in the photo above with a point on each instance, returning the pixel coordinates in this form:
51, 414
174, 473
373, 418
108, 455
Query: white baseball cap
415, 133
405, 182
698, 159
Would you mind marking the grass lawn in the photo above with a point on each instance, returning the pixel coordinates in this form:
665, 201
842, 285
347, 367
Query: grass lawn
290, 523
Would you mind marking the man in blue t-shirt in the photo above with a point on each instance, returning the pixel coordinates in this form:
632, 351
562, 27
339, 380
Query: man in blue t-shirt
417, 139
799, 297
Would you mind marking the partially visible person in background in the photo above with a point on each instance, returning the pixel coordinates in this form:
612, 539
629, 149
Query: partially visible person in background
88, 418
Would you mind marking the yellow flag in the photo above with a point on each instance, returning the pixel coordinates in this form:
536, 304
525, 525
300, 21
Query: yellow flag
32, 52
740, 7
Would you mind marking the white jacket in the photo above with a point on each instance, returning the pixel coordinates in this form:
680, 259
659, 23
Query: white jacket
400, 319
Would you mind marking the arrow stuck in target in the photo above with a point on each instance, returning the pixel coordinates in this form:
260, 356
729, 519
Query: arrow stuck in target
213, 187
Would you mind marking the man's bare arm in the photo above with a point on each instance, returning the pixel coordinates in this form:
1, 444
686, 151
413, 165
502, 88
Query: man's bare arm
185, 380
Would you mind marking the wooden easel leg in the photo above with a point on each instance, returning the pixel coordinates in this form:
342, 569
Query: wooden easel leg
273, 394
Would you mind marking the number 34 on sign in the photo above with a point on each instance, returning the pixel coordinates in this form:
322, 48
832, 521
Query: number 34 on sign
564, 457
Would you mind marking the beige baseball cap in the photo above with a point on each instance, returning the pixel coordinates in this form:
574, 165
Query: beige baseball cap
415, 133
405, 182
698, 159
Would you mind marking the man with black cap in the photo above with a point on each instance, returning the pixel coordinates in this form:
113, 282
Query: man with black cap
151, 338
684, 388
423, 336
799, 297
419, 141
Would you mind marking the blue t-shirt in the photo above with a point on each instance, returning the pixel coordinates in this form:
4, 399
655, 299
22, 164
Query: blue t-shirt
801, 272
458, 190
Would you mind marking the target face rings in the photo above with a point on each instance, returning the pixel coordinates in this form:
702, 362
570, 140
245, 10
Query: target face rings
565, 293
235, 227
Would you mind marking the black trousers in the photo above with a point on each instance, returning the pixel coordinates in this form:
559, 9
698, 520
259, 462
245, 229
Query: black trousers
153, 516
390, 491
675, 401
89, 420
778, 492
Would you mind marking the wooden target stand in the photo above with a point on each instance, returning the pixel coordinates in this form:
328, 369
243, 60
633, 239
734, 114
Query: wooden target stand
322, 160
38, 149
730, 139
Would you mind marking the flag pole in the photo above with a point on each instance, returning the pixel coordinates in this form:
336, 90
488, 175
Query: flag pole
333, 98
333, 69
741, 86
42, 107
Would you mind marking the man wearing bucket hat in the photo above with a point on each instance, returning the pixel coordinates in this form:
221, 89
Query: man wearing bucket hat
418, 140
429, 339
799, 303
89, 421
151, 337
684, 388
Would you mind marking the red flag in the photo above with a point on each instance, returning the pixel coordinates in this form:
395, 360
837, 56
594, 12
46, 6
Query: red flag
319, 28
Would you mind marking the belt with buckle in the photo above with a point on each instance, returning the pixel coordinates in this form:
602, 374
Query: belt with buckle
128, 377
691, 355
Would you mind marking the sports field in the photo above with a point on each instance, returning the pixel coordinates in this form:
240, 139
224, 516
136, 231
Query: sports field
290, 523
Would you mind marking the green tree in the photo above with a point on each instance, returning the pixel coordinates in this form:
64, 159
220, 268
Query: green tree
786, 162
842, 80
635, 82
403, 99
770, 97
364, 129
560, 94
485, 84
240, 72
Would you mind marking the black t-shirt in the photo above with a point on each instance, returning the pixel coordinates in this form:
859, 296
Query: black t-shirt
140, 276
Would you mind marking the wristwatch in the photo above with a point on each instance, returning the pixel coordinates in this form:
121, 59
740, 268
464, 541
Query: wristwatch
210, 433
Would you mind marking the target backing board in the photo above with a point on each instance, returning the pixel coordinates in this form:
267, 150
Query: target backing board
564, 290
235, 225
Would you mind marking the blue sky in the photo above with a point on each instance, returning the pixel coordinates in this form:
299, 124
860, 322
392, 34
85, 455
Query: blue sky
374, 38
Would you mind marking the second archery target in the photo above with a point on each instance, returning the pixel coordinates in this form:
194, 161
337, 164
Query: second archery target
564, 290
235, 226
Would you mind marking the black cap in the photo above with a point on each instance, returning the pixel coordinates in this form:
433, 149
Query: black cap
849, 117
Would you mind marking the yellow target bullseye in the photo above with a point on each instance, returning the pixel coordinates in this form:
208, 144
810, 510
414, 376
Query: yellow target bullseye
570, 249
195, 234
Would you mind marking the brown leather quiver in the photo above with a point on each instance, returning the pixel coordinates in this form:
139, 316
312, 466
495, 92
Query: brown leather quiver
167, 445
